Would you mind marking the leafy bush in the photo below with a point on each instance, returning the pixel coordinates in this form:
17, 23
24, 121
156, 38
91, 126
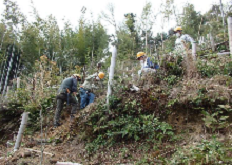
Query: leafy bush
206, 152
213, 65
124, 121
22, 100
174, 67
208, 69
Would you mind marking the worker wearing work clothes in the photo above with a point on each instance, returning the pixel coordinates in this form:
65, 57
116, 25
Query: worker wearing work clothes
146, 64
86, 90
180, 40
67, 93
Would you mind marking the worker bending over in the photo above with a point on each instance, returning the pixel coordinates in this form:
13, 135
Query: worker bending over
67, 93
86, 90
146, 64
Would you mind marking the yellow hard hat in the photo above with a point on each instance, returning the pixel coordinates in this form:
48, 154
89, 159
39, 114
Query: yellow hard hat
77, 75
178, 28
139, 54
101, 75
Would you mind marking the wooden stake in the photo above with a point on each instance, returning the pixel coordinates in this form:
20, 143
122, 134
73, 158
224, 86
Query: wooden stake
7, 92
18, 82
212, 41
194, 50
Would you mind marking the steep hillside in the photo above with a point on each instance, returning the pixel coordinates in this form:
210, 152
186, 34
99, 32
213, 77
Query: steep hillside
172, 119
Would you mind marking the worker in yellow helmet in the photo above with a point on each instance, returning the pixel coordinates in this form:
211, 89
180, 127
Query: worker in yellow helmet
86, 90
181, 38
146, 63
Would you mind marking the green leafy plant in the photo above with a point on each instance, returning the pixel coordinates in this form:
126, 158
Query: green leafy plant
207, 152
216, 119
124, 122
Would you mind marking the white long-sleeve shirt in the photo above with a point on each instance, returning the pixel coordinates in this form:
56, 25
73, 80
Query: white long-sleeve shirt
179, 47
183, 38
89, 82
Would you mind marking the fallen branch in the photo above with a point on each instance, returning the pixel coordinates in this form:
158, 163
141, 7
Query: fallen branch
47, 153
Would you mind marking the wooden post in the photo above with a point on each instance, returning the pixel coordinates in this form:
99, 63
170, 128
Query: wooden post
21, 130
7, 92
230, 33
208, 41
212, 41
18, 82
194, 50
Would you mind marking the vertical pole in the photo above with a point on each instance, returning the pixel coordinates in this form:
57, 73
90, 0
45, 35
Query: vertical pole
223, 17
18, 82
208, 41
146, 42
199, 29
161, 41
111, 74
7, 92
21, 130
194, 50
230, 33
212, 42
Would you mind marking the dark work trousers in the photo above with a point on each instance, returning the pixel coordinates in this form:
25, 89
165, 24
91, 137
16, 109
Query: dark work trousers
61, 98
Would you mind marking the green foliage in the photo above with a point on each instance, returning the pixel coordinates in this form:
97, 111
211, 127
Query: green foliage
160, 37
213, 65
172, 79
22, 101
169, 44
146, 17
208, 69
68, 47
174, 67
143, 161
217, 119
34, 116
174, 71
127, 46
125, 121
190, 21
130, 22
206, 152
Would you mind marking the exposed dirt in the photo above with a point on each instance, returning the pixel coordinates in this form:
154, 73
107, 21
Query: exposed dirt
65, 144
